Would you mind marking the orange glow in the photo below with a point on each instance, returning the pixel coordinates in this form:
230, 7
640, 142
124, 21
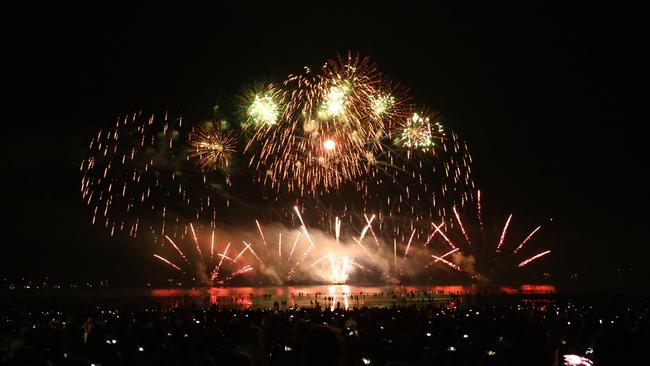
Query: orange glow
538, 289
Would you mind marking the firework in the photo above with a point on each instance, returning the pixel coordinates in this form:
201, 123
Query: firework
503, 233
165, 260
212, 147
344, 129
536, 256
331, 122
450, 264
343, 141
264, 110
381, 104
527, 239
488, 254
138, 176
419, 133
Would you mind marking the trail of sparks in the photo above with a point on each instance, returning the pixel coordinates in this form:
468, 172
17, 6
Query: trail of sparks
242, 252
527, 261
261, 233
252, 251
224, 256
216, 270
292, 270
442, 233
363, 247
355, 263
295, 242
335, 273
462, 228
446, 254
169, 263
246, 268
337, 229
304, 228
395, 255
371, 230
409, 244
280, 246
525, 240
365, 228
212, 247
344, 269
452, 265
503, 234
433, 233
478, 204
299, 216
196, 241
177, 249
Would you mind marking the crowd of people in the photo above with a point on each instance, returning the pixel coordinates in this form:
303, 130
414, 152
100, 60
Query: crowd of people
462, 331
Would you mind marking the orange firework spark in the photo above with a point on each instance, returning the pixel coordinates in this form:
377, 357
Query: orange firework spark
169, 263
536, 256
503, 233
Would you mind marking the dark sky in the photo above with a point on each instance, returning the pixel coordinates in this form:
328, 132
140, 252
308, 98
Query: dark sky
549, 99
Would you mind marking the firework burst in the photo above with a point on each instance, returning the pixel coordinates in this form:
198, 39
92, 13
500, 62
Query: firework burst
345, 130
331, 123
420, 133
264, 110
488, 254
139, 176
212, 147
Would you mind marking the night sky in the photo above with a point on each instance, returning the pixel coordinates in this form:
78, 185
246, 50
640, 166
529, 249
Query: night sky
548, 98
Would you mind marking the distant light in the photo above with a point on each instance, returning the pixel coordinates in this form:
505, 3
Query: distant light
465, 336
113, 341
365, 361
140, 349
451, 349
428, 334
589, 351
491, 353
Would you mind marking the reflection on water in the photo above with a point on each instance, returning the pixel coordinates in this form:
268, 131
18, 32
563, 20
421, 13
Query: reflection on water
334, 296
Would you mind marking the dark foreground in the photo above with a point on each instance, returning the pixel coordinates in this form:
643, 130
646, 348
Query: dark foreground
458, 331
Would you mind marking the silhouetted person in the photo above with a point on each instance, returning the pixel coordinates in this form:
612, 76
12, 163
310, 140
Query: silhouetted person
321, 347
